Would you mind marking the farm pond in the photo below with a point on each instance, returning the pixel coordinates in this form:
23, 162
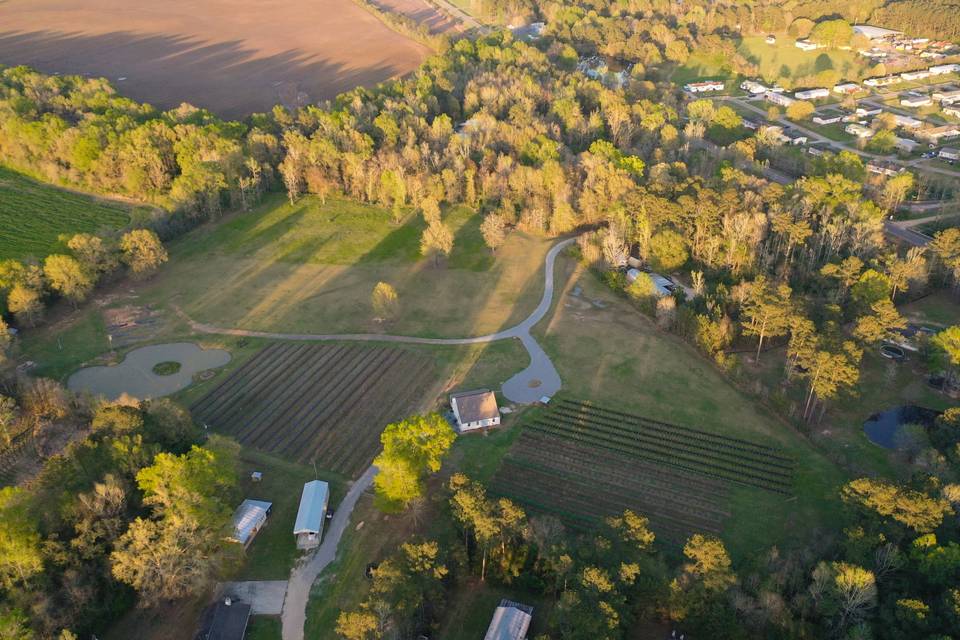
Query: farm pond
138, 375
882, 428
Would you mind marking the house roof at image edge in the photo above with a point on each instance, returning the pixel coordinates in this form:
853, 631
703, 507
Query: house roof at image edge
474, 406
313, 504
511, 620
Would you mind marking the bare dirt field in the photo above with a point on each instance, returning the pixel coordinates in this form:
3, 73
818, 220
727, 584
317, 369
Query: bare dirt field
230, 56
422, 12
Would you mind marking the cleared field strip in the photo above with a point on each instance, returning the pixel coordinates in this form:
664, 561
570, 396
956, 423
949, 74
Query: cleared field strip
322, 403
582, 463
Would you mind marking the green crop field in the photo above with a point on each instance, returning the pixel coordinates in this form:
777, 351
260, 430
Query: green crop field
34, 215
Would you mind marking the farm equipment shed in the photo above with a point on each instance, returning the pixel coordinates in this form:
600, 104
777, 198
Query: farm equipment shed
313, 510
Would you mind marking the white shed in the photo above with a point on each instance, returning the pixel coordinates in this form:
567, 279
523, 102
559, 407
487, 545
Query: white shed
313, 511
248, 519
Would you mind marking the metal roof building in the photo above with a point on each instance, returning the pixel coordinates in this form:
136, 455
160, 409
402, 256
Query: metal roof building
248, 519
511, 621
874, 33
313, 511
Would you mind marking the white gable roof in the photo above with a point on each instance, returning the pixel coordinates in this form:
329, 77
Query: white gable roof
511, 621
313, 507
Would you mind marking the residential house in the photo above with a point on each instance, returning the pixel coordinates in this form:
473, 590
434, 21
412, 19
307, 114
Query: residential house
934, 135
227, 619
771, 39
943, 69
846, 88
704, 87
949, 153
915, 100
859, 130
883, 168
511, 621
883, 81
248, 519
952, 111
753, 87
811, 94
946, 97
920, 74
475, 409
906, 122
308, 527
806, 45
831, 118
905, 145
778, 98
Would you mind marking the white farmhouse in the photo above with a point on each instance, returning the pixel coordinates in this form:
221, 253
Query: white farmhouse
475, 409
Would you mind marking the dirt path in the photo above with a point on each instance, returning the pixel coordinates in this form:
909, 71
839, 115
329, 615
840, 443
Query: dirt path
301, 581
538, 379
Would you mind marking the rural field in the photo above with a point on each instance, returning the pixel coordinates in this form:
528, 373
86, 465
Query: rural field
233, 57
609, 354
780, 61
582, 462
311, 268
322, 403
33, 215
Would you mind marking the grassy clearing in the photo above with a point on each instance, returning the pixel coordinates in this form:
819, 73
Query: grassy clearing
273, 552
59, 348
612, 355
784, 60
311, 267
34, 215
703, 66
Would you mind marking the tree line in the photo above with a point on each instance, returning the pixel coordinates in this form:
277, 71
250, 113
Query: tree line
135, 510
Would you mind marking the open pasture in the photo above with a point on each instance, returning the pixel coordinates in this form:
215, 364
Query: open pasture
317, 403
34, 215
230, 56
582, 463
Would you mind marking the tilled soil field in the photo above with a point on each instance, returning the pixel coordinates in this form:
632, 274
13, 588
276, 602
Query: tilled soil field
322, 403
233, 57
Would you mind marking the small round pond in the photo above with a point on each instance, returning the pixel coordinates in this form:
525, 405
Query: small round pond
882, 428
149, 372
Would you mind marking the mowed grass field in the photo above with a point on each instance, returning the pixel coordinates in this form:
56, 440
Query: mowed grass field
613, 356
778, 61
311, 268
34, 215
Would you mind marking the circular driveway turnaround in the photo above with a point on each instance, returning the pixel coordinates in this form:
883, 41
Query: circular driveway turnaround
539, 379
135, 377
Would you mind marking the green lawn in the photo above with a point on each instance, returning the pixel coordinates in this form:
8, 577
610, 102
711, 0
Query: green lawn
311, 267
704, 66
273, 552
264, 628
615, 357
783, 60
34, 215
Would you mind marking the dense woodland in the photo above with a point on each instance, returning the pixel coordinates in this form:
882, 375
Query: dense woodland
514, 131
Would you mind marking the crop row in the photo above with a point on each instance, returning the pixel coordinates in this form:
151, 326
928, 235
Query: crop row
693, 447
615, 474
645, 501
665, 456
526, 486
326, 403
540, 443
722, 441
